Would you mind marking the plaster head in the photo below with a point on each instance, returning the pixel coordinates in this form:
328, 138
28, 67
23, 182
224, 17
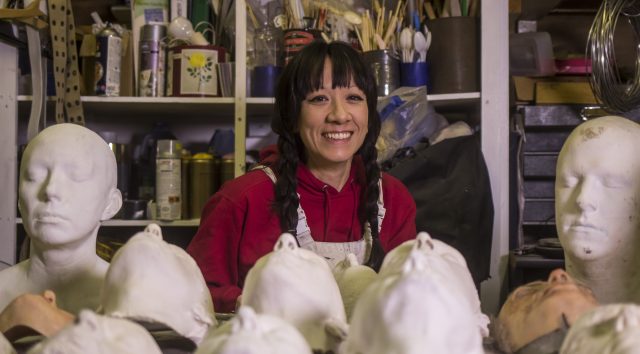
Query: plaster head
409, 311
30, 314
352, 279
541, 307
296, 285
607, 329
251, 333
67, 185
150, 280
597, 190
93, 333
447, 266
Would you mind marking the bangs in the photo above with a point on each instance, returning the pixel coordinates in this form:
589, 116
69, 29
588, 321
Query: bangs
344, 69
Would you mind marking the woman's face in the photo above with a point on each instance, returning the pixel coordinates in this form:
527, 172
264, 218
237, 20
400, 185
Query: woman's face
333, 123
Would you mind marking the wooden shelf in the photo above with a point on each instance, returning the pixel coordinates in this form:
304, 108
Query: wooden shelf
150, 108
129, 223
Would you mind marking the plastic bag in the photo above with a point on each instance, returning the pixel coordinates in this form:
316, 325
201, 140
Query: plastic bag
406, 118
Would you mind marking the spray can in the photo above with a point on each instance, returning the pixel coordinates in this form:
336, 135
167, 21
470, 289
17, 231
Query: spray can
168, 180
108, 61
151, 73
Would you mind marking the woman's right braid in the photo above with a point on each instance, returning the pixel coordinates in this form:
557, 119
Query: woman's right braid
286, 199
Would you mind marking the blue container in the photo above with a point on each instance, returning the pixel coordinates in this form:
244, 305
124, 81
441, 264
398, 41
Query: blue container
415, 74
264, 80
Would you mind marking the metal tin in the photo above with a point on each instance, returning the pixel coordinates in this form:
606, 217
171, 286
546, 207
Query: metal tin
152, 61
201, 182
184, 182
227, 170
168, 180
385, 66
108, 62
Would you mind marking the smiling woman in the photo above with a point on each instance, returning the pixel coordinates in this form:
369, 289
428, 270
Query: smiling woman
322, 185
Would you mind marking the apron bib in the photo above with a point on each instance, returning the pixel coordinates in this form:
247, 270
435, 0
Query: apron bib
334, 252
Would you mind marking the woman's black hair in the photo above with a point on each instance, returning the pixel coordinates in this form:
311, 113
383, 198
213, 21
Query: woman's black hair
302, 75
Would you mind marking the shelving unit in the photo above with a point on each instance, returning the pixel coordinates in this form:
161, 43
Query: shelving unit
490, 105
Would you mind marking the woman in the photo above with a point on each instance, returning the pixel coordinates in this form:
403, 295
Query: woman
324, 187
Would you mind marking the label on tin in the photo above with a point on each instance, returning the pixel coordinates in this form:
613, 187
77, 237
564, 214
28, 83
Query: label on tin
108, 61
168, 189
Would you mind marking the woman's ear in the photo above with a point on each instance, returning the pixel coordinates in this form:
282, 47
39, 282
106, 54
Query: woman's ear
114, 203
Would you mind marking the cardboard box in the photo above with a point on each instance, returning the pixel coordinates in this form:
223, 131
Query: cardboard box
554, 90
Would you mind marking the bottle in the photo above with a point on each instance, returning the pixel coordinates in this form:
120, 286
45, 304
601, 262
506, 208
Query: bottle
168, 180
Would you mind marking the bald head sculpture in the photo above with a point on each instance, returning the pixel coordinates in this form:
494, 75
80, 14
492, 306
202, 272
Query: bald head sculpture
67, 186
597, 196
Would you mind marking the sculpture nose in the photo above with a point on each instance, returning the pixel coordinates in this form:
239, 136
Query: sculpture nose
558, 276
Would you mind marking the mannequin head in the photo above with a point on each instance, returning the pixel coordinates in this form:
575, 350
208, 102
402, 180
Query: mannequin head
610, 329
67, 185
598, 190
251, 333
93, 333
409, 311
539, 308
446, 264
30, 314
151, 280
352, 279
296, 285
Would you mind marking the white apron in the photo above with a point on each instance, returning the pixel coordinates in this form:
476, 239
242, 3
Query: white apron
334, 252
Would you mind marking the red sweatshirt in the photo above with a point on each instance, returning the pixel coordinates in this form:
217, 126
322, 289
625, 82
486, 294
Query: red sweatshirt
238, 224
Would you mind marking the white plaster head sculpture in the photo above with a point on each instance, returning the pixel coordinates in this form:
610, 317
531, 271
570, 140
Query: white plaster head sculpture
412, 312
539, 309
30, 314
597, 200
251, 333
150, 280
5, 346
297, 285
352, 278
67, 186
607, 329
96, 334
447, 265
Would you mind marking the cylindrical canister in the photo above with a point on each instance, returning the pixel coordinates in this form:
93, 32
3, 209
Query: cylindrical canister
184, 176
152, 60
202, 182
108, 61
385, 66
226, 170
168, 180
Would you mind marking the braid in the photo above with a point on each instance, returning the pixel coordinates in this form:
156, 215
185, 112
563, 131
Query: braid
369, 208
286, 199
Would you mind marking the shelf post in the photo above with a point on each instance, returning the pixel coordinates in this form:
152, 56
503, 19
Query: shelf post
8, 153
495, 141
240, 118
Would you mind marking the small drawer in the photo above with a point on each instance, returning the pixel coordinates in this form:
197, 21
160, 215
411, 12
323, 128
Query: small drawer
539, 210
540, 165
544, 141
539, 189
